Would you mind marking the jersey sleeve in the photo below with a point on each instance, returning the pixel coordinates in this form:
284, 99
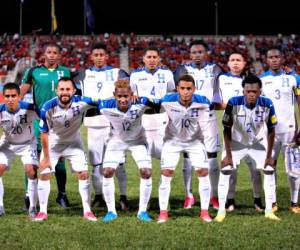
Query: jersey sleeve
216, 90
227, 119
27, 77
43, 122
79, 80
133, 84
272, 121
123, 74
171, 83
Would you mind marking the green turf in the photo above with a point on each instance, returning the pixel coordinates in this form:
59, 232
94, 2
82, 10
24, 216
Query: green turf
65, 229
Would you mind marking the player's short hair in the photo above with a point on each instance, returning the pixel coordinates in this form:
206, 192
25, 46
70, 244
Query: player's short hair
11, 85
51, 44
65, 79
186, 78
122, 84
275, 48
236, 52
152, 48
251, 79
100, 46
199, 42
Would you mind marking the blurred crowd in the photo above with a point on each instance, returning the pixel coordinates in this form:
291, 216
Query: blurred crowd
174, 50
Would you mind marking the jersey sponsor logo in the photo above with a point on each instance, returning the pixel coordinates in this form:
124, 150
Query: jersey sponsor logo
266, 83
175, 110
228, 83
57, 116
91, 76
142, 79
43, 74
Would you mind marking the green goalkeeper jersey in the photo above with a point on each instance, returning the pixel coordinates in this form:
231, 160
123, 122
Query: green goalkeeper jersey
44, 82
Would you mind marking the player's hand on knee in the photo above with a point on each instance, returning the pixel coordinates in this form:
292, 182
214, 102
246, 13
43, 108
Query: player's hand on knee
44, 163
270, 162
226, 161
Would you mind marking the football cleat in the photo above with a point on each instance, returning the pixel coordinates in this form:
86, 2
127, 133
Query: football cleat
62, 200
271, 216
163, 216
189, 202
32, 212
274, 207
2, 211
258, 205
214, 202
109, 217
41, 217
294, 208
204, 215
144, 216
124, 203
220, 216
230, 205
89, 216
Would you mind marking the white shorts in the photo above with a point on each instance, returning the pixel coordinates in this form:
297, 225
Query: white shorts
27, 153
211, 135
97, 139
155, 126
256, 154
171, 153
73, 152
280, 143
116, 150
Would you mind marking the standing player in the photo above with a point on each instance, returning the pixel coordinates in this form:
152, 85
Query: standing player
43, 81
61, 118
16, 119
153, 81
98, 82
230, 85
205, 75
127, 134
282, 89
245, 120
184, 134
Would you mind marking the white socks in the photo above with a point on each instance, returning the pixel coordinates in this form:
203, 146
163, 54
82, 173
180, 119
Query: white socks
187, 176
84, 190
294, 183
97, 179
164, 192
269, 187
1, 192
122, 178
43, 193
145, 193
214, 175
204, 191
223, 190
32, 192
109, 194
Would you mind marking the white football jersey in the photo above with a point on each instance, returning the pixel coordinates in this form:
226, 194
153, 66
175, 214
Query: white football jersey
17, 127
152, 85
184, 122
229, 86
249, 125
126, 126
281, 89
63, 125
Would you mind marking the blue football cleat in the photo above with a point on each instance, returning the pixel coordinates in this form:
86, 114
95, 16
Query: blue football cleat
144, 216
109, 217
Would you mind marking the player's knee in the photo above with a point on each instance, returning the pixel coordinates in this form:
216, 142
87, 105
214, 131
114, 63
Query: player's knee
45, 174
2, 169
202, 172
167, 172
145, 173
108, 172
211, 155
31, 171
84, 175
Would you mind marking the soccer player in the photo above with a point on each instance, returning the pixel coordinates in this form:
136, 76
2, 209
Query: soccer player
98, 82
43, 81
153, 81
61, 118
16, 120
230, 85
283, 89
205, 75
127, 134
186, 112
292, 164
249, 130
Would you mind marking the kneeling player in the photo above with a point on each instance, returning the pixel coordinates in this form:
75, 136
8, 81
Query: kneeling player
183, 135
18, 140
61, 118
245, 121
127, 134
